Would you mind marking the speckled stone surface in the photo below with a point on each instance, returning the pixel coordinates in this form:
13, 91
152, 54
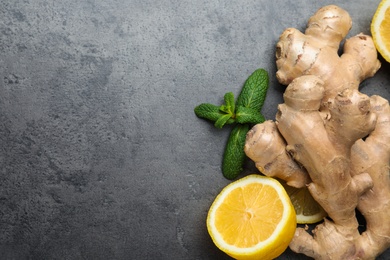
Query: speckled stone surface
101, 155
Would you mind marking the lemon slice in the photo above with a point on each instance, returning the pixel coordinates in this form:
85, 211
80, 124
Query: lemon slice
252, 218
308, 211
380, 29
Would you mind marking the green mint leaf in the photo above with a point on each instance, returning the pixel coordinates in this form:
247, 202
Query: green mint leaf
234, 155
230, 103
213, 113
254, 91
246, 115
222, 120
208, 111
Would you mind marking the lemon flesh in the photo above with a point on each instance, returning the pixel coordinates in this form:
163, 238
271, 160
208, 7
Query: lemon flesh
252, 218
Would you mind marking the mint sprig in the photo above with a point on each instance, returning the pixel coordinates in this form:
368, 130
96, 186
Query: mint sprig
211, 112
243, 112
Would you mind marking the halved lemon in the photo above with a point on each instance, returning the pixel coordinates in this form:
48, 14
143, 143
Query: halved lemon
252, 218
307, 209
380, 29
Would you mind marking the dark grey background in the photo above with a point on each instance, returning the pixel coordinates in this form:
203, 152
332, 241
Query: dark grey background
101, 155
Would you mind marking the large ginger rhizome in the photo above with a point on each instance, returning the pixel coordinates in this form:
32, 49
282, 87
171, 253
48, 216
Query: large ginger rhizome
330, 137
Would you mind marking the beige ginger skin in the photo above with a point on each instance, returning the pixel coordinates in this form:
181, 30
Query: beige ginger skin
330, 137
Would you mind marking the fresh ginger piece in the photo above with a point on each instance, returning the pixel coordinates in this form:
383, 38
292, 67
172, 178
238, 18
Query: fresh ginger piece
336, 134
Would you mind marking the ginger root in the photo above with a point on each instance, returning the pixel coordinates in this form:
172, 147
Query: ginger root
329, 136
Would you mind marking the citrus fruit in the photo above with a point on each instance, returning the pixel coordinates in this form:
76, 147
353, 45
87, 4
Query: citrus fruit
380, 29
307, 209
252, 218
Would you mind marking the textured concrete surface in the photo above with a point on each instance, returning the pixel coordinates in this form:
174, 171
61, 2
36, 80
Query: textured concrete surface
101, 156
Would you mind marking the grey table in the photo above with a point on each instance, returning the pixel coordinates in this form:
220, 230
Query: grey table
101, 155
